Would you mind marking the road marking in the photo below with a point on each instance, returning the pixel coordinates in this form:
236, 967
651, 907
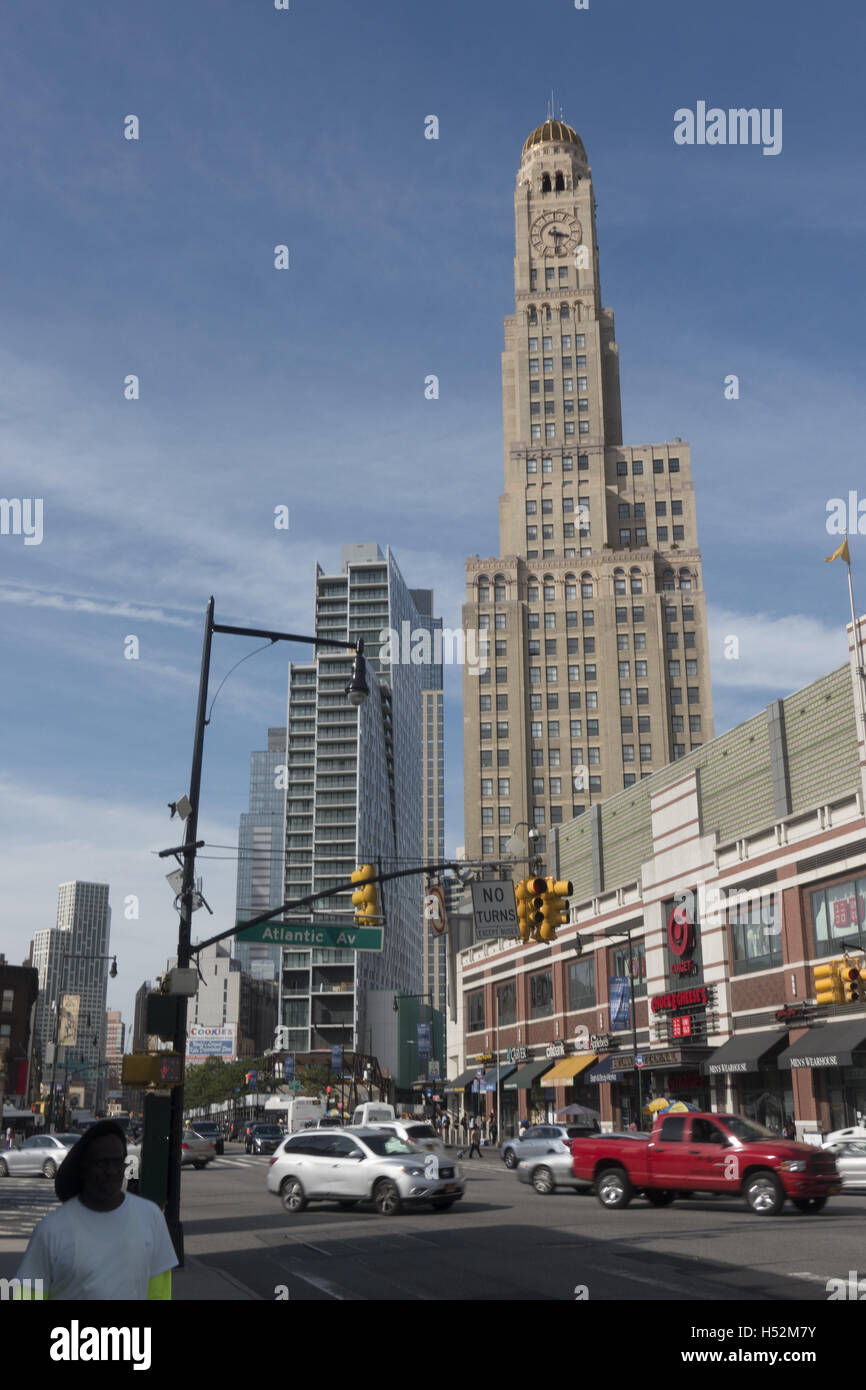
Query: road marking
666, 1284
812, 1278
327, 1286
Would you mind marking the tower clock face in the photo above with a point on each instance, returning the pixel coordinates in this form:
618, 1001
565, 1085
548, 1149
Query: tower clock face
555, 234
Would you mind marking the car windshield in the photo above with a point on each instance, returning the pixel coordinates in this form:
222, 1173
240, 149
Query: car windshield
268, 1131
746, 1130
386, 1144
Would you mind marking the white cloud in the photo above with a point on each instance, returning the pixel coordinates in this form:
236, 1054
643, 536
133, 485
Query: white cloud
50, 838
777, 655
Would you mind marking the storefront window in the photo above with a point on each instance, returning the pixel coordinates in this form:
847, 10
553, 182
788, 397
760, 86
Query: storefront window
475, 1011
507, 1002
839, 914
581, 984
767, 1098
541, 995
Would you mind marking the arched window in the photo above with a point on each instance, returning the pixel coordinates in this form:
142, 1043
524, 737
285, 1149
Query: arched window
560, 184
533, 314
668, 579
636, 585
685, 579
619, 581
570, 586
499, 588
549, 588
545, 183
586, 585
483, 585
547, 313
578, 312
564, 311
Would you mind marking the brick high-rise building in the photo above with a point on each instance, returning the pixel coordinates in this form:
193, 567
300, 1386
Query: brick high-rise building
593, 614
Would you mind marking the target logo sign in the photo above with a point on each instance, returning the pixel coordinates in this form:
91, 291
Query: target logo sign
680, 938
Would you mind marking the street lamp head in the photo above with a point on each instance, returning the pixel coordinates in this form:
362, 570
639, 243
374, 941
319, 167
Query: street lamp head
357, 690
113, 971
533, 833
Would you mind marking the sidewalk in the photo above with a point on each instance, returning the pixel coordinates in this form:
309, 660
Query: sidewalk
196, 1282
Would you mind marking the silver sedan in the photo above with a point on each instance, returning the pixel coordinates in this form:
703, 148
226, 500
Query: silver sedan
41, 1153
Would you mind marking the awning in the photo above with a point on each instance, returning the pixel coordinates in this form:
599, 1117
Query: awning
525, 1077
463, 1079
565, 1071
490, 1079
832, 1046
603, 1072
744, 1051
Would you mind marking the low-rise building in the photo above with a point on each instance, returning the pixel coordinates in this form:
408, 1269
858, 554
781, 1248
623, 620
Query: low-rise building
707, 895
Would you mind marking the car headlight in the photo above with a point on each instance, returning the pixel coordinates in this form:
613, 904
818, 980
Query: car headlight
797, 1165
413, 1172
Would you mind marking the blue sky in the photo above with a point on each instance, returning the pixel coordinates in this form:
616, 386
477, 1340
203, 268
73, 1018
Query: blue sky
306, 127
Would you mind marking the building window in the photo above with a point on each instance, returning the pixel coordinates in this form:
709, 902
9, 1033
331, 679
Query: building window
621, 468
755, 933
581, 984
624, 670
646, 753
541, 994
502, 729
694, 695
643, 695
658, 465
486, 786
628, 752
486, 815
505, 815
625, 696
640, 668
486, 844
486, 731
674, 465
694, 723
502, 757
475, 1011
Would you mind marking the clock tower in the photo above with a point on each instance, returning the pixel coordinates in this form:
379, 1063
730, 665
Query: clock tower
592, 616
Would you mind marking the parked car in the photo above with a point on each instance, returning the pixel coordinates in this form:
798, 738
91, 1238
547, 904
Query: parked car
721, 1154
540, 1139
41, 1153
209, 1129
361, 1165
263, 1139
850, 1160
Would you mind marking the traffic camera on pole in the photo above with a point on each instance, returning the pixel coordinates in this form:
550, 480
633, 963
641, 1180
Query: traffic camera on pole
365, 898
555, 907
852, 979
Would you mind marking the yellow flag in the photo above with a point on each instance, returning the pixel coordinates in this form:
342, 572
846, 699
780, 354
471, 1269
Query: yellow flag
842, 550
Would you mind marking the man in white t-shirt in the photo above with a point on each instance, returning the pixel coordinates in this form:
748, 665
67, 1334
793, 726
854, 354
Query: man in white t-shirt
102, 1242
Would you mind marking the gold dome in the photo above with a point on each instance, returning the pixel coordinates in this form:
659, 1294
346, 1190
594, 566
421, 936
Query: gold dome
554, 131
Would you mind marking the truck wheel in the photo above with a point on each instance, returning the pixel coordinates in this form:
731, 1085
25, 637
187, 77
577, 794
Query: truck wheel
660, 1197
613, 1188
764, 1193
810, 1204
292, 1196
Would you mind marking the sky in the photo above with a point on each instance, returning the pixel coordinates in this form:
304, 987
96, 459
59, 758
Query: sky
304, 388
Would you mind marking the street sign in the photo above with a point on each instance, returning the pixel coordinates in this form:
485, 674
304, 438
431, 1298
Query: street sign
331, 936
294, 1085
494, 908
434, 1070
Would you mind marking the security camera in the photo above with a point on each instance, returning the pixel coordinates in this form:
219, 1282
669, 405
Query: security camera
533, 834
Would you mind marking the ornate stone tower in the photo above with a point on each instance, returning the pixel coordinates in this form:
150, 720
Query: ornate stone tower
593, 614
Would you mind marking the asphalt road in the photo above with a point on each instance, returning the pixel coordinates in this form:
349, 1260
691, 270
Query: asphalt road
504, 1241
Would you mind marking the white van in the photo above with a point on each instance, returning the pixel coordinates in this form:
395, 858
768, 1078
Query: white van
373, 1113
301, 1112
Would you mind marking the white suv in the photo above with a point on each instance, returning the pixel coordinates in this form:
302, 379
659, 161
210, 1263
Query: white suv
361, 1165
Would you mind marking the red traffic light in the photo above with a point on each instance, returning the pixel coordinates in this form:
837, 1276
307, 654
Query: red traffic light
537, 886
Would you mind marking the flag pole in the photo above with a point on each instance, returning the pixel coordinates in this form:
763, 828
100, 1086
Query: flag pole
858, 652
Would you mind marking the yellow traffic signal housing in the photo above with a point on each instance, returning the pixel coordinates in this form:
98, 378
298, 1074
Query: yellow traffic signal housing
536, 887
365, 898
140, 1069
555, 908
828, 983
852, 981
521, 893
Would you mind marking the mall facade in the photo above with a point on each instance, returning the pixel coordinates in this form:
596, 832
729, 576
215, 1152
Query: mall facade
704, 897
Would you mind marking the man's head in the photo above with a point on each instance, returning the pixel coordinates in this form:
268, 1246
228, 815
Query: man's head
93, 1168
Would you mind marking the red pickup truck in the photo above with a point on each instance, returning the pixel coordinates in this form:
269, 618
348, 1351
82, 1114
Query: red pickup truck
707, 1153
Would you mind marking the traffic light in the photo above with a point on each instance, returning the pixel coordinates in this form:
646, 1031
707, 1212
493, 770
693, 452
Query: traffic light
537, 887
521, 893
852, 980
555, 907
828, 983
365, 899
